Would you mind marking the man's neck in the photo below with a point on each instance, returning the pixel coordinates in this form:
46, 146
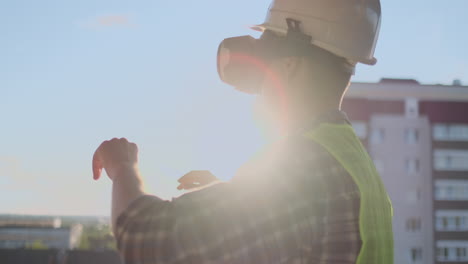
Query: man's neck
302, 119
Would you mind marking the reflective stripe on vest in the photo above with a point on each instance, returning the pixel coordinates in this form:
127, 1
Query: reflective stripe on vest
375, 215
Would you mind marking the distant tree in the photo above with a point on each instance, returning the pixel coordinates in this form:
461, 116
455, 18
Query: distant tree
37, 245
97, 237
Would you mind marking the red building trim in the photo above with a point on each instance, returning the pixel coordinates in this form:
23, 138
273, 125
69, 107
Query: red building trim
362, 109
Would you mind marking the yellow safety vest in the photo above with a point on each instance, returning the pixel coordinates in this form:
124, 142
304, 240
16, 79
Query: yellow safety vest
375, 215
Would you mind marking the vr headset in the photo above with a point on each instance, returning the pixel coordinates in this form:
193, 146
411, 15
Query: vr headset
243, 61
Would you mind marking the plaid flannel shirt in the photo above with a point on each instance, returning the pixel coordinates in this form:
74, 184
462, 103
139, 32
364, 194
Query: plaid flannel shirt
293, 204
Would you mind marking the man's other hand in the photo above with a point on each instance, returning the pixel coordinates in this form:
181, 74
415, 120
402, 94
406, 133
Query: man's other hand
114, 156
196, 179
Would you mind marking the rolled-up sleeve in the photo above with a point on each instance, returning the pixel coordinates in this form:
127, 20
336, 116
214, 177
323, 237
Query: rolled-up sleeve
144, 232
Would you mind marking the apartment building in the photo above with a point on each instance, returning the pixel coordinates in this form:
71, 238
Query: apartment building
418, 137
19, 232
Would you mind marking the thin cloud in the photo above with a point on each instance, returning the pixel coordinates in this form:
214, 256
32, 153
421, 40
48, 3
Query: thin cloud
113, 20
109, 21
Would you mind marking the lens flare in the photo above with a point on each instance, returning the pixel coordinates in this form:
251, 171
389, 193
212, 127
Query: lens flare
253, 71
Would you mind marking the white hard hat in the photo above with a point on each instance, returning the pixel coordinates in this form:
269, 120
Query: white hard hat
346, 28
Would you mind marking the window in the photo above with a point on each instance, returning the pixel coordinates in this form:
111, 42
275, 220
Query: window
414, 196
440, 132
442, 253
360, 128
451, 160
451, 190
461, 253
377, 136
413, 224
416, 254
411, 107
412, 166
379, 166
452, 220
411, 136
450, 132
452, 250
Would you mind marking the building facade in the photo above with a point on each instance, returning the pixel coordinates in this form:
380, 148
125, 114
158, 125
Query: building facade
37, 231
418, 137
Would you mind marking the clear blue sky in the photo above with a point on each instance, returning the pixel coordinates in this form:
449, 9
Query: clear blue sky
73, 74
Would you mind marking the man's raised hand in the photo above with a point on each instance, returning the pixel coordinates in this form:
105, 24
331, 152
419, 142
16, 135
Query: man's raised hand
114, 156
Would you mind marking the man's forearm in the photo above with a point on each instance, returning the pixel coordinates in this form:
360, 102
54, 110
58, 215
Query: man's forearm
126, 187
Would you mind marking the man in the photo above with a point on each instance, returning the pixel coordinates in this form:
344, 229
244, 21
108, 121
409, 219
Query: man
313, 196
